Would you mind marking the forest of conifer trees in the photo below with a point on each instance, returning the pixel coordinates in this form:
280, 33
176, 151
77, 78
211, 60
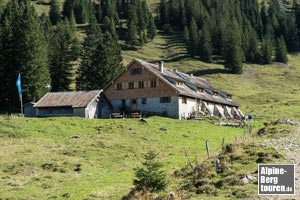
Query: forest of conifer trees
46, 49
237, 30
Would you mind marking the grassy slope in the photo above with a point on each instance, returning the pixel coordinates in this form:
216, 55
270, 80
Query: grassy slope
39, 157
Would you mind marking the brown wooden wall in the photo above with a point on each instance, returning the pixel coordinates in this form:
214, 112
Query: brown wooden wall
161, 89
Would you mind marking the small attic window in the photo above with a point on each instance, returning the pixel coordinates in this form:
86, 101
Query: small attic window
229, 96
179, 83
135, 71
216, 94
201, 90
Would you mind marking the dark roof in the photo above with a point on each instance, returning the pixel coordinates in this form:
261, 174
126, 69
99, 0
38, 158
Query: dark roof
190, 86
78, 99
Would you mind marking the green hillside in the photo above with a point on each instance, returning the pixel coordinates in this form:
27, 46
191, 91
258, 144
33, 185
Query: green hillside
94, 159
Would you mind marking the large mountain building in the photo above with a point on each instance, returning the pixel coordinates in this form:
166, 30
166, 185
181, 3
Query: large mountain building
156, 90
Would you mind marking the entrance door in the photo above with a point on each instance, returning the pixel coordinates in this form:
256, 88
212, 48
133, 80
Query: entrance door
133, 105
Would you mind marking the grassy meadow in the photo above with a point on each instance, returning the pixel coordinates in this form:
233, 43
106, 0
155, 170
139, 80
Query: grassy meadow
76, 158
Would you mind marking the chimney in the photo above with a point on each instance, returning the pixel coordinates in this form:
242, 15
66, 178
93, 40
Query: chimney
175, 70
192, 75
161, 66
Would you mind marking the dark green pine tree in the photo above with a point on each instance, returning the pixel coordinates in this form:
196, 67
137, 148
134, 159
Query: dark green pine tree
67, 8
61, 56
54, 13
281, 51
233, 53
163, 12
99, 12
107, 62
46, 25
132, 30
109, 8
22, 49
194, 38
150, 177
266, 50
85, 70
205, 48
250, 44
109, 25
81, 11
132, 33
151, 29
292, 40
186, 35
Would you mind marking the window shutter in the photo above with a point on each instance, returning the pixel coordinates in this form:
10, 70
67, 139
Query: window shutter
135, 84
115, 85
157, 82
124, 85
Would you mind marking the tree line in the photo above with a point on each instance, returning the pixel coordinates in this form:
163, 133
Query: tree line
46, 49
236, 30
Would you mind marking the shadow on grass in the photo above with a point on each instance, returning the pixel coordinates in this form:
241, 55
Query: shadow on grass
210, 72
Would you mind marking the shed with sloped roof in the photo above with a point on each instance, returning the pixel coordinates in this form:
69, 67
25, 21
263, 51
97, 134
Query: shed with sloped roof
87, 104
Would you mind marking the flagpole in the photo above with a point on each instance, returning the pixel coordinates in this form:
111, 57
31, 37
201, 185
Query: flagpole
21, 99
19, 86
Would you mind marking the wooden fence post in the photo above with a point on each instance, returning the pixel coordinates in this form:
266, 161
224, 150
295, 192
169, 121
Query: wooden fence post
223, 143
207, 149
187, 156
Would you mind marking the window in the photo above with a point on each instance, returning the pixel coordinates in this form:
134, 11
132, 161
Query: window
133, 101
119, 86
184, 100
123, 102
180, 83
141, 84
153, 84
130, 85
165, 99
135, 71
144, 101
201, 90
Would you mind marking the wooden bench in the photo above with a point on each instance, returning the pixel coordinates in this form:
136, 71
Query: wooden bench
135, 115
116, 115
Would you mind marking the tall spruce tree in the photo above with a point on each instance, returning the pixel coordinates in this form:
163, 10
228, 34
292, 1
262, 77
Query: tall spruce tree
186, 35
107, 62
54, 13
233, 53
151, 29
205, 48
266, 50
22, 50
68, 8
104, 64
85, 70
194, 38
61, 56
281, 51
81, 12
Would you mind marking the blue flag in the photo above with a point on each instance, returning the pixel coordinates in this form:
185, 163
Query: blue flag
18, 83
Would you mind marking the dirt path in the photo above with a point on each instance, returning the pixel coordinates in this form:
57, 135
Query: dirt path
290, 148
